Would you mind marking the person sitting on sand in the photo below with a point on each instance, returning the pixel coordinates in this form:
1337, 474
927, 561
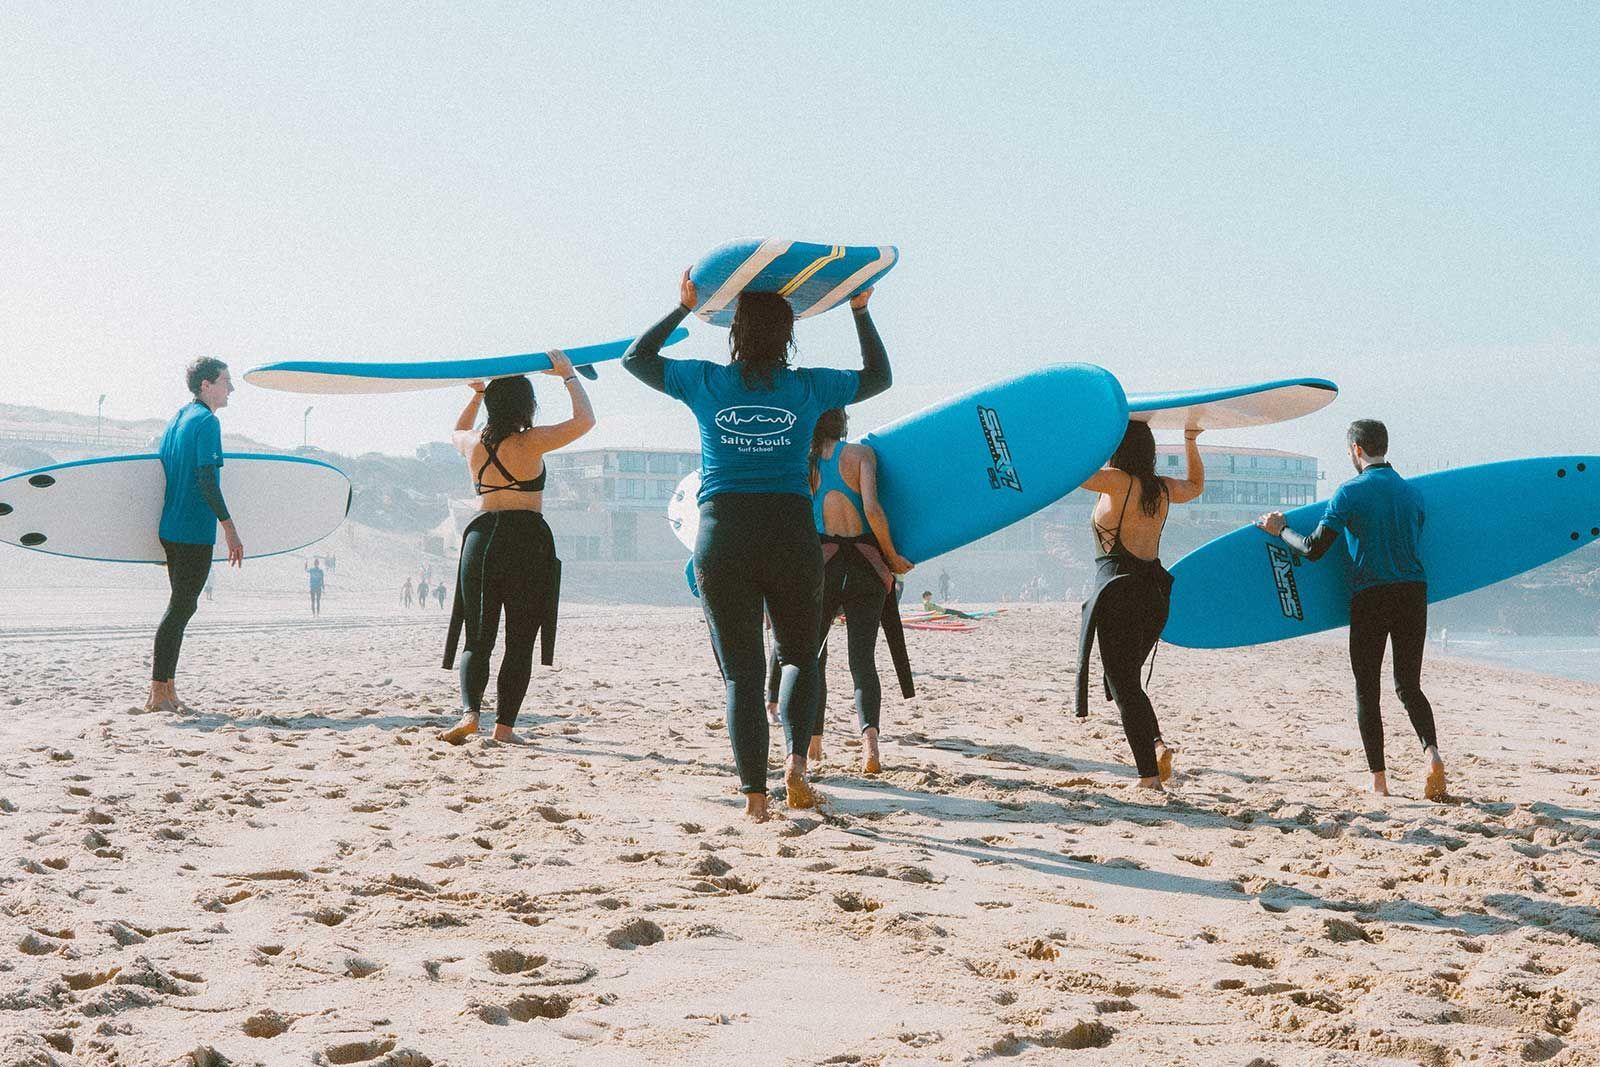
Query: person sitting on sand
192, 506
508, 556
1127, 609
928, 604
757, 540
859, 565
1381, 517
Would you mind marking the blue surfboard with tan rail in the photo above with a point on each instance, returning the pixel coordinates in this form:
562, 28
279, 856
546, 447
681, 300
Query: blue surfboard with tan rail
1481, 525
812, 277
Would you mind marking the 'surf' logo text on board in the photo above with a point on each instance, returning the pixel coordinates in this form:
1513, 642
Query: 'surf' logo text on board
751, 420
1003, 473
1282, 561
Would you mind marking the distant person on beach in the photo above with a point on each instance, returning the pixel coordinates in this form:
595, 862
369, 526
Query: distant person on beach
1132, 593
757, 541
859, 566
209, 585
422, 593
1380, 515
508, 555
315, 577
191, 508
932, 605
405, 593
944, 585
438, 593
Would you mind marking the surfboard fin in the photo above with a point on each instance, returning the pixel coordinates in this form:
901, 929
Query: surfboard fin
588, 371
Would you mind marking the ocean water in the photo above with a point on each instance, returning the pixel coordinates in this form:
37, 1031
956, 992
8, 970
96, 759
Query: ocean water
1576, 657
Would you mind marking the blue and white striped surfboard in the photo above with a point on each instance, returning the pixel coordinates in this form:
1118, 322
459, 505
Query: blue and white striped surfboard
812, 277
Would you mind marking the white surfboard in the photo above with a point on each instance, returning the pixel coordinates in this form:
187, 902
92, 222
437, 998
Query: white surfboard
109, 509
1232, 408
683, 512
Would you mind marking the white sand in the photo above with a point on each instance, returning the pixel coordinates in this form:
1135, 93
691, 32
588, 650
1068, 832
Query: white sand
302, 873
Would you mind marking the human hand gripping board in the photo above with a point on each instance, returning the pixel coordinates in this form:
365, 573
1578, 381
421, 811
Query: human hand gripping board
812, 277
109, 509
324, 376
1481, 525
1232, 407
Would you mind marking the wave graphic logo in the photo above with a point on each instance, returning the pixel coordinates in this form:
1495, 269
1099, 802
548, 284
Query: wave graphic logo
754, 420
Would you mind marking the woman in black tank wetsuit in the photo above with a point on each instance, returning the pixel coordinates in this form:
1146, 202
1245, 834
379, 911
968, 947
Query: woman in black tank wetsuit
1128, 608
508, 559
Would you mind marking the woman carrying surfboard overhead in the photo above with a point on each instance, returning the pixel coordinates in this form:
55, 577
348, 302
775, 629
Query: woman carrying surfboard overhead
859, 565
1132, 590
757, 541
1381, 517
191, 509
508, 557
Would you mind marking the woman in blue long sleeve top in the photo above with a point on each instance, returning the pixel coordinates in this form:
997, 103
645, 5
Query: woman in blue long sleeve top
757, 543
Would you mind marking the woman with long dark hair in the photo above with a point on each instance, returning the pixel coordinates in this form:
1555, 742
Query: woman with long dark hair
1132, 590
757, 541
508, 557
859, 566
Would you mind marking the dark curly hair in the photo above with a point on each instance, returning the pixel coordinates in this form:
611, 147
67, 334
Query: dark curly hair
1137, 456
762, 338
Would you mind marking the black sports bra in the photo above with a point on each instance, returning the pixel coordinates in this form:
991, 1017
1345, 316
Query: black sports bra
533, 485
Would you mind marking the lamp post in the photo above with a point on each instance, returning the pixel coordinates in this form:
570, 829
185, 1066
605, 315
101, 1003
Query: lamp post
305, 432
99, 405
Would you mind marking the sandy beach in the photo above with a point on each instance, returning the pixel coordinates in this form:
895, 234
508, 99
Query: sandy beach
302, 873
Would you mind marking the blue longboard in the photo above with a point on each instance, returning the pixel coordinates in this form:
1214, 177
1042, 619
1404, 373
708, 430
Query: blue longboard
1483, 524
109, 509
1232, 408
812, 277
965, 468
325, 376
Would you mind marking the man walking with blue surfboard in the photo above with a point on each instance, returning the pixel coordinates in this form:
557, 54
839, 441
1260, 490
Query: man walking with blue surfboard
1381, 517
191, 508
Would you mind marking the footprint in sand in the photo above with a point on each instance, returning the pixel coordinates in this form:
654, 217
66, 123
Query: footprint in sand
635, 933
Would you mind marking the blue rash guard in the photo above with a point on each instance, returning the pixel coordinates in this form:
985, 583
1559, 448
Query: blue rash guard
1381, 516
191, 454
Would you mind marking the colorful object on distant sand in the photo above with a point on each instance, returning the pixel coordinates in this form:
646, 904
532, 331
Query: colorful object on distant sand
1234, 407
109, 509
326, 376
955, 626
812, 277
1482, 525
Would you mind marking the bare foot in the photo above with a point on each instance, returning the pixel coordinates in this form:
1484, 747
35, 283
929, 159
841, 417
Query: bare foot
755, 807
1434, 788
462, 731
814, 751
870, 763
772, 715
1153, 784
1164, 754
506, 736
801, 794
1380, 783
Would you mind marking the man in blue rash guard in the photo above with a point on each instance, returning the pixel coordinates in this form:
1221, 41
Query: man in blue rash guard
1381, 517
191, 508
757, 542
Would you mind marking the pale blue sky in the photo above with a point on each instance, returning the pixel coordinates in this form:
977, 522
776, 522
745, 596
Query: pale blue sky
1397, 197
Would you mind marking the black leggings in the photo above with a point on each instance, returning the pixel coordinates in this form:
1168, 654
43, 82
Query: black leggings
1128, 620
188, 567
850, 584
504, 569
1384, 613
755, 548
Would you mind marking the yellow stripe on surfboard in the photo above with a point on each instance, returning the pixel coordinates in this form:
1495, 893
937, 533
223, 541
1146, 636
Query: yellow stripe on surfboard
804, 276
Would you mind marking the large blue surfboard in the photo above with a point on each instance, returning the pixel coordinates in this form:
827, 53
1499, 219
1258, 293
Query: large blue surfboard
325, 376
1233, 407
812, 277
109, 509
965, 468
1482, 525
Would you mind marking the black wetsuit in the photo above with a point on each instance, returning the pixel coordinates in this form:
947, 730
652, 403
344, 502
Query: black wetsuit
758, 547
1127, 612
188, 568
508, 567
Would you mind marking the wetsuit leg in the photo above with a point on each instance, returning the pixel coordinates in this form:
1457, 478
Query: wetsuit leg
1128, 623
1369, 633
1409, 633
864, 595
520, 589
833, 577
188, 566
774, 674
482, 615
730, 596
